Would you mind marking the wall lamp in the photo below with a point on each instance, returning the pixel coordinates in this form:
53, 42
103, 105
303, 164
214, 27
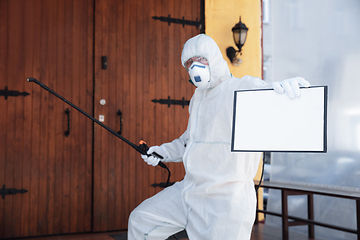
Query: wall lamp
239, 34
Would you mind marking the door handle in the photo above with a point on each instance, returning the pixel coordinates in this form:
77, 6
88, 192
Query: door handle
67, 132
119, 113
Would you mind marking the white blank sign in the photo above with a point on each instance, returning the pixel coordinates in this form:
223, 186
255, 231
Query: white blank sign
265, 121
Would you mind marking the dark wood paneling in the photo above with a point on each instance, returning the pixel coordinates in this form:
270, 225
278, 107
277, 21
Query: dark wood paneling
3, 73
143, 64
14, 126
28, 113
53, 42
60, 126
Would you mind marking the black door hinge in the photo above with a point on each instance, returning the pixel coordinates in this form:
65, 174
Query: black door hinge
4, 191
182, 21
12, 93
162, 184
169, 102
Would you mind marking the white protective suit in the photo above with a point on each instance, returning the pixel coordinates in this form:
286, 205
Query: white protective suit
216, 199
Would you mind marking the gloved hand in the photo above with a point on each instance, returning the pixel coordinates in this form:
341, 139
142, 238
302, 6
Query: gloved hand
290, 86
152, 160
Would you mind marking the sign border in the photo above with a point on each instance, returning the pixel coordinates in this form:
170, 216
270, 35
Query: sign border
324, 150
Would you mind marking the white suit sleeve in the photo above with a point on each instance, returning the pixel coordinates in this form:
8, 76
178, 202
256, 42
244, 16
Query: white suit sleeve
175, 149
249, 82
290, 86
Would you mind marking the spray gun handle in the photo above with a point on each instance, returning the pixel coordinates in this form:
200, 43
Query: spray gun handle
144, 147
161, 164
157, 155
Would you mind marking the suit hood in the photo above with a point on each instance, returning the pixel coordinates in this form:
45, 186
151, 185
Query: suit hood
204, 46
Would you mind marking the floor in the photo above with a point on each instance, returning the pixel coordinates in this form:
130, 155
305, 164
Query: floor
260, 232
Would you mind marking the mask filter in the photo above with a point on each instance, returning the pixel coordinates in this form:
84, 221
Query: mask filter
200, 75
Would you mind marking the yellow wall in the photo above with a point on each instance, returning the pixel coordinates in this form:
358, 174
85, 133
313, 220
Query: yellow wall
221, 16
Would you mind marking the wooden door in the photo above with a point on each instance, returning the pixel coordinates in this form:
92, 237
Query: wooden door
89, 180
143, 63
51, 40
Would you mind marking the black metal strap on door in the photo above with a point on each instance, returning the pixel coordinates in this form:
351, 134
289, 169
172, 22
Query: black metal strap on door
4, 191
182, 21
67, 132
162, 184
119, 113
12, 93
169, 102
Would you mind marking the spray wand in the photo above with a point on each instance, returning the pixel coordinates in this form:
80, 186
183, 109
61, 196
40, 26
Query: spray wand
142, 148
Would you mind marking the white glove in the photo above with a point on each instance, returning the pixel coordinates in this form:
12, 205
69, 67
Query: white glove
153, 160
290, 86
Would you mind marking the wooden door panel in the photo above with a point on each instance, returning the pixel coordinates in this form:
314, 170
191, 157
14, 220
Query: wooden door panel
143, 64
51, 41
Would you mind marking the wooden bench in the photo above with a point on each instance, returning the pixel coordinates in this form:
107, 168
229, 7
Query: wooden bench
290, 189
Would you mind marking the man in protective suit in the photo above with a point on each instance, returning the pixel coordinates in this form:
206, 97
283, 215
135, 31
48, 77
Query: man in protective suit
216, 199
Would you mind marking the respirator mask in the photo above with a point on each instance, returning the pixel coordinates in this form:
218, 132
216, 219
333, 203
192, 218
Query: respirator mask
200, 75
